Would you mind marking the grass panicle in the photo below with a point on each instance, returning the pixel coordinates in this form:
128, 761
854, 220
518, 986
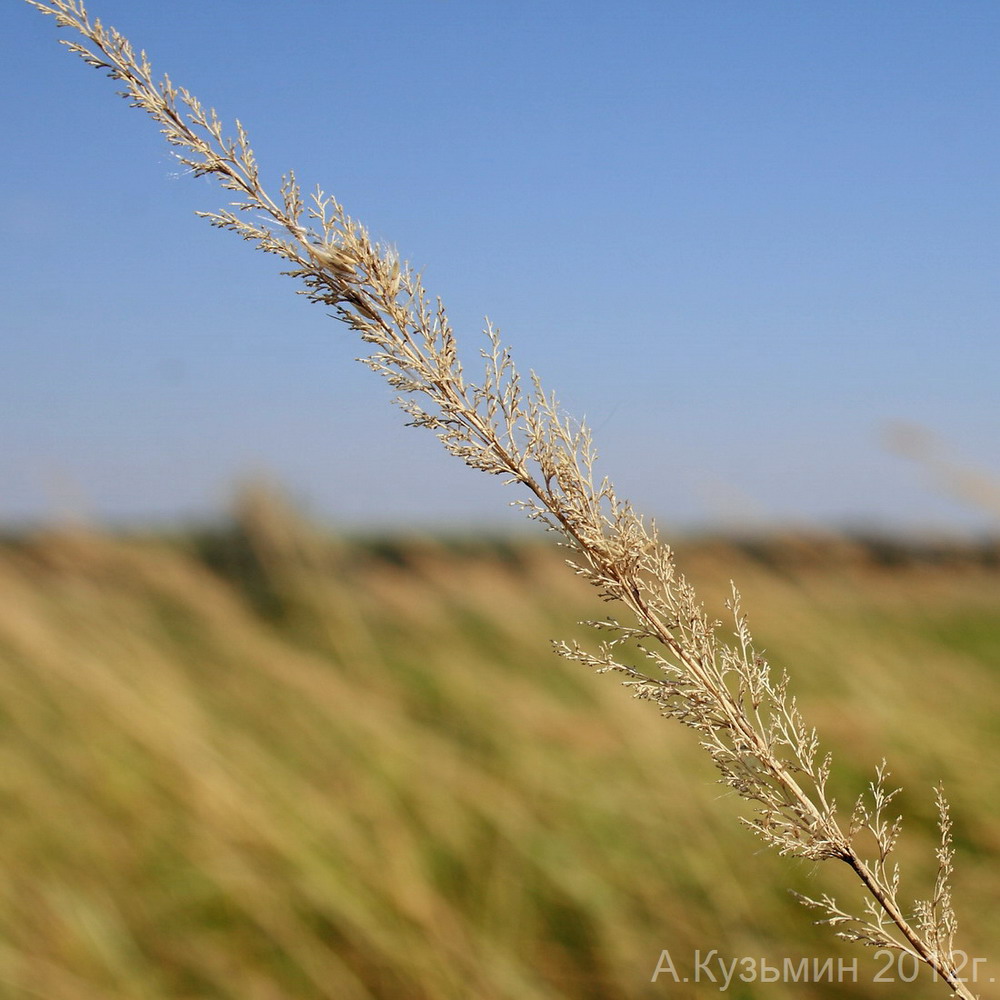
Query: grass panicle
510, 426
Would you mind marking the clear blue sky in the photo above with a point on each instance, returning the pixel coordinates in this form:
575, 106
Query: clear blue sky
738, 237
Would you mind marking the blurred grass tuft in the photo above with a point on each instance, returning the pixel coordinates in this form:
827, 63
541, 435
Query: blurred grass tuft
260, 762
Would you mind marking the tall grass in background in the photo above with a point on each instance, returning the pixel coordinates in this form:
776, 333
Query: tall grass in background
260, 762
665, 645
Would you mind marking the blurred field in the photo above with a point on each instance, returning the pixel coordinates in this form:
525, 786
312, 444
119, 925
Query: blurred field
265, 764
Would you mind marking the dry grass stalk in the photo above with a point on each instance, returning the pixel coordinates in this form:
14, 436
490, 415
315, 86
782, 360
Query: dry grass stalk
976, 488
504, 426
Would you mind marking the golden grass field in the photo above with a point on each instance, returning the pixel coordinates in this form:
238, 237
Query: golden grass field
264, 763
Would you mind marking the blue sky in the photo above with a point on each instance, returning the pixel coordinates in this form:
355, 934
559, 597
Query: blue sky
738, 237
